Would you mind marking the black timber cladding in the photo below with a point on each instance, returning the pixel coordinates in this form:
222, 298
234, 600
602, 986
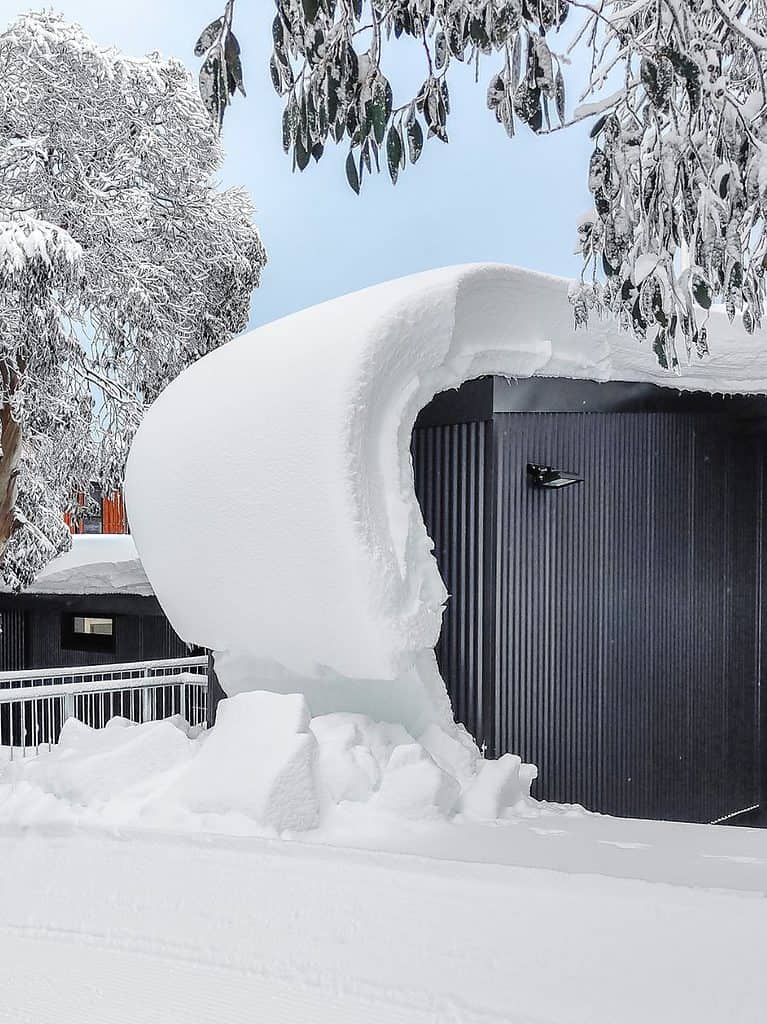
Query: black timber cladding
34, 630
452, 470
610, 632
12, 639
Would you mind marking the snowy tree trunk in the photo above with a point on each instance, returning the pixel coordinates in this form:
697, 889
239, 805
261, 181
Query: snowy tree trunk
10, 439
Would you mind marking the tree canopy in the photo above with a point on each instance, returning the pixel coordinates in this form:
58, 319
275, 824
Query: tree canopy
676, 96
121, 262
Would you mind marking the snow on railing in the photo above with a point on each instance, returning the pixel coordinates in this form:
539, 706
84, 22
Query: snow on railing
35, 704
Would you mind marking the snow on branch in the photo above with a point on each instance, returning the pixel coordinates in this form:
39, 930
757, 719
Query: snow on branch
677, 90
120, 263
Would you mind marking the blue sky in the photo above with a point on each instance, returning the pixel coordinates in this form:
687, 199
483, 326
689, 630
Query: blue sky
482, 197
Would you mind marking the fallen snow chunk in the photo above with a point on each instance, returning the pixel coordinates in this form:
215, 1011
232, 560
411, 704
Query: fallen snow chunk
457, 754
350, 728
413, 786
348, 774
258, 761
498, 786
346, 768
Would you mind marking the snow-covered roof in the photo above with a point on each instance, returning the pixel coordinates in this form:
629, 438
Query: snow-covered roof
95, 564
318, 560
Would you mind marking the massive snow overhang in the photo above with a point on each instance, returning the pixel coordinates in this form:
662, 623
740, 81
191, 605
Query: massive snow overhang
270, 487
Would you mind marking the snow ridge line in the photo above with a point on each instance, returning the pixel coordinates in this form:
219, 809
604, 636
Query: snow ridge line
442, 1009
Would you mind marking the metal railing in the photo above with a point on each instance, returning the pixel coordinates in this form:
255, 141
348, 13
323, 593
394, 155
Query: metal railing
35, 704
92, 673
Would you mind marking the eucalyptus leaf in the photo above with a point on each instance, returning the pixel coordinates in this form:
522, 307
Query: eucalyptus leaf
394, 152
414, 140
559, 95
440, 50
701, 292
208, 36
352, 175
233, 63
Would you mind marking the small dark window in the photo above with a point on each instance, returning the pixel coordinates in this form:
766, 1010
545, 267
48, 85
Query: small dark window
93, 514
88, 632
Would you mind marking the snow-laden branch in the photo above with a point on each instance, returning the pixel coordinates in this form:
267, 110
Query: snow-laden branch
676, 91
120, 263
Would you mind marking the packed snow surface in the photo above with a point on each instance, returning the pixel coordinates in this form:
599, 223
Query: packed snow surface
270, 487
139, 883
95, 564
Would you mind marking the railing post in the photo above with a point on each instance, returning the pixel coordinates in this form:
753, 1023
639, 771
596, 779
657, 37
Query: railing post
182, 700
146, 704
69, 706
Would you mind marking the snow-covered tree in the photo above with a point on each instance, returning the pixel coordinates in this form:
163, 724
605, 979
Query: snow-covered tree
120, 263
677, 93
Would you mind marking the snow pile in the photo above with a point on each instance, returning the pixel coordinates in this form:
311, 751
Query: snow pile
266, 766
95, 564
281, 529
111, 772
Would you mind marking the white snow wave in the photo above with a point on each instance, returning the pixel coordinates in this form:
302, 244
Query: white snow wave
270, 487
266, 767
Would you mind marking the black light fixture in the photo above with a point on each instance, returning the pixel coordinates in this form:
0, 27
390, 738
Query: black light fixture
548, 477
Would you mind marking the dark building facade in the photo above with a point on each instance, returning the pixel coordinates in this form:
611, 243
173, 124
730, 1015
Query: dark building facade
609, 631
79, 623
61, 631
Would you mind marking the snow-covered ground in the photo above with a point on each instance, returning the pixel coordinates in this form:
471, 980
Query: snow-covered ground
414, 881
138, 884
133, 927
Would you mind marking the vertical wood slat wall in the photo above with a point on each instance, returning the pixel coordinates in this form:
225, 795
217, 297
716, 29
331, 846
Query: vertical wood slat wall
113, 517
12, 639
609, 632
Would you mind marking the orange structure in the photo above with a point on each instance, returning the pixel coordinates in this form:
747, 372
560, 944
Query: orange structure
113, 514
113, 519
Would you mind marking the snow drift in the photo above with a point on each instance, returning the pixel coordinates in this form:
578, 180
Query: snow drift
267, 767
270, 487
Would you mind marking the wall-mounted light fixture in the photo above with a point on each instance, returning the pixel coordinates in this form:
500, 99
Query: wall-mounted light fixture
546, 476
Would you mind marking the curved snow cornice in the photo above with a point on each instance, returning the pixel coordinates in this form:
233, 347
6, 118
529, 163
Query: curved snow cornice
270, 487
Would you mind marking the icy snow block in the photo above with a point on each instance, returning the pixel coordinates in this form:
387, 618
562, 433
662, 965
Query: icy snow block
498, 786
346, 768
258, 760
350, 773
457, 754
353, 752
413, 786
